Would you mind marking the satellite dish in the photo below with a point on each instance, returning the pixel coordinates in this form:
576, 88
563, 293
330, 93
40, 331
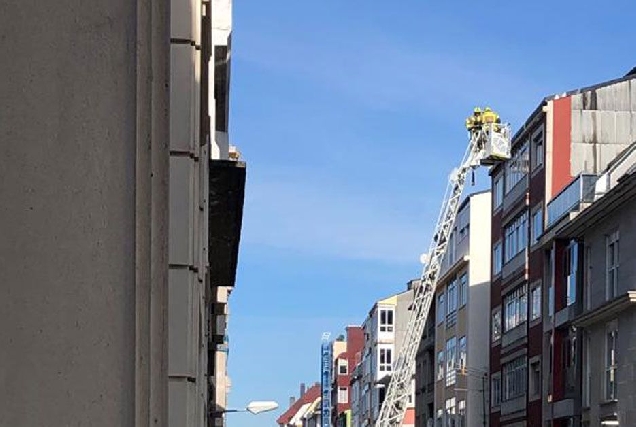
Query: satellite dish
424, 258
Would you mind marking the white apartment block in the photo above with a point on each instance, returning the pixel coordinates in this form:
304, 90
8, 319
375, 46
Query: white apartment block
461, 319
384, 330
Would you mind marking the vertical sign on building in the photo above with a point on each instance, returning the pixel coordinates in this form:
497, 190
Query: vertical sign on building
326, 361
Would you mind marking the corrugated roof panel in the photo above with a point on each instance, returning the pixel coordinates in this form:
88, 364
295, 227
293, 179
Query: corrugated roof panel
609, 153
624, 129
605, 132
615, 97
577, 101
583, 158
587, 127
576, 133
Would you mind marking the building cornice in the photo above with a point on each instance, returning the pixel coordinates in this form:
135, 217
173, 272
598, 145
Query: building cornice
606, 311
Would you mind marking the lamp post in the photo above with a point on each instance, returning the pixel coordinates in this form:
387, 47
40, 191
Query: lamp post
256, 407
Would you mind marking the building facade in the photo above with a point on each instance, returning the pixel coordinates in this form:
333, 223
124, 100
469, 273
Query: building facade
303, 411
574, 133
593, 298
138, 219
425, 373
459, 339
344, 364
384, 330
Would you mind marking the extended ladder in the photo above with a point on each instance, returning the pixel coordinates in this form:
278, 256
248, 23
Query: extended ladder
487, 146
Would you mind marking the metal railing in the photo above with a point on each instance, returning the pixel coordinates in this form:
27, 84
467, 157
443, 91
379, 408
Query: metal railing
571, 198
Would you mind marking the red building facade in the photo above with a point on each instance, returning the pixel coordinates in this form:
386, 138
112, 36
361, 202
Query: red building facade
344, 364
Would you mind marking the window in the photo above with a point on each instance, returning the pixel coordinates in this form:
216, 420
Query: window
570, 265
569, 363
440, 365
517, 166
496, 324
588, 278
463, 289
498, 191
537, 225
516, 238
535, 379
441, 309
343, 367
386, 320
514, 378
496, 258
451, 295
450, 412
515, 308
611, 281
451, 354
343, 395
463, 225
451, 248
549, 279
551, 300
386, 359
535, 302
495, 390
462, 353
537, 149
440, 418
610, 363
461, 412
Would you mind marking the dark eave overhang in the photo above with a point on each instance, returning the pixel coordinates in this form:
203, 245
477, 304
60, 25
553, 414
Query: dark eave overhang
226, 197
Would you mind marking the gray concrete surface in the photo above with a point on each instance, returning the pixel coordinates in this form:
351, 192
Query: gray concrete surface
83, 213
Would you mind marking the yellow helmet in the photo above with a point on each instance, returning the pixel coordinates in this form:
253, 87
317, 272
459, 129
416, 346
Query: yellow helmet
487, 110
477, 110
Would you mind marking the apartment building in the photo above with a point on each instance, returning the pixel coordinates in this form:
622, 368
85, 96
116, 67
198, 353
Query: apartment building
344, 364
425, 373
460, 340
384, 330
578, 132
590, 331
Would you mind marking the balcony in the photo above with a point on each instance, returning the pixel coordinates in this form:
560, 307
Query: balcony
571, 198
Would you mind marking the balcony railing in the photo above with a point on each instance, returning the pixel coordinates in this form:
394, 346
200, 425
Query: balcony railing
571, 198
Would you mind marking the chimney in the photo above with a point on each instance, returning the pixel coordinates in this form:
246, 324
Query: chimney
292, 400
302, 389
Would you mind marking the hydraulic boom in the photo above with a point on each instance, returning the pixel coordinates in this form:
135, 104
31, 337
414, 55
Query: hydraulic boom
489, 143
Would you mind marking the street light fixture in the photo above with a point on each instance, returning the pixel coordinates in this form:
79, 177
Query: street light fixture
256, 407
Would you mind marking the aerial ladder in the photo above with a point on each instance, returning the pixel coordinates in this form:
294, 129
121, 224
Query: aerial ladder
489, 144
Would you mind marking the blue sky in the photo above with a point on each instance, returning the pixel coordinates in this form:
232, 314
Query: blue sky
350, 115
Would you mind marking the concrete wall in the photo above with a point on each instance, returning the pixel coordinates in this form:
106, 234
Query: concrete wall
84, 185
477, 331
603, 124
623, 221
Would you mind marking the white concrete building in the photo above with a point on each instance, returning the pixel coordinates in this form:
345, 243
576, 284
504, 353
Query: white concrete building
461, 319
384, 330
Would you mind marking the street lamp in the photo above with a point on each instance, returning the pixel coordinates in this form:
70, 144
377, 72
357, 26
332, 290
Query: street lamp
256, 407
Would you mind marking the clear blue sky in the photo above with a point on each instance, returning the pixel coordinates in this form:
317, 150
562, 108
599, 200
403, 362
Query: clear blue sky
350, 115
